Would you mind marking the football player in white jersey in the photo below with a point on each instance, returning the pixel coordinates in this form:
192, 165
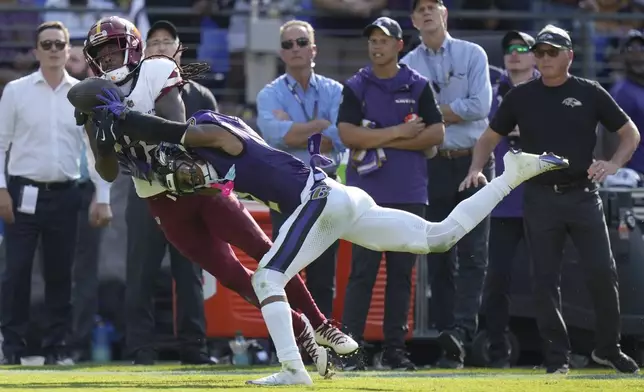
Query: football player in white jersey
200, 226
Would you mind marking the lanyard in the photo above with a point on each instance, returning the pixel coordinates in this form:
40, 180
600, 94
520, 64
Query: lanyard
299, 100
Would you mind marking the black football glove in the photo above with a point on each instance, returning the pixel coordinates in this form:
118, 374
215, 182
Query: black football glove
81, 118
107, 131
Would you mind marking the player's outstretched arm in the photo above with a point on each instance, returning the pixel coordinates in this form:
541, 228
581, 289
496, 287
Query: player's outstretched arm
153, 129
106, 165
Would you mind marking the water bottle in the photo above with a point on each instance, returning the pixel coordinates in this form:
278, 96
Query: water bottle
101, 344
341, 172
239, 347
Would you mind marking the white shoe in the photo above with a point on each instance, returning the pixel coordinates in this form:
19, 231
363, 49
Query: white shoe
319, 355
521, 166
328, 335
285, 377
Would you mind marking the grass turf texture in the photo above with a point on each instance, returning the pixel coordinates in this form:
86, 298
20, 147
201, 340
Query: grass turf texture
198, 379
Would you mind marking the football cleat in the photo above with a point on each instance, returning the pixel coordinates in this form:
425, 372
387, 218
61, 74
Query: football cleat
328, 335
284, 377
319, 355
521, 166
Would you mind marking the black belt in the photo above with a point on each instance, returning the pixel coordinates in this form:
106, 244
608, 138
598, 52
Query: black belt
43, 186
572, 186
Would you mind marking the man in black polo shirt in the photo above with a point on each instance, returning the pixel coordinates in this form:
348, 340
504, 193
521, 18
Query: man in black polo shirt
559, 112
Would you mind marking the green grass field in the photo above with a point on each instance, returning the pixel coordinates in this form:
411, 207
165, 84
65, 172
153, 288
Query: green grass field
198, 379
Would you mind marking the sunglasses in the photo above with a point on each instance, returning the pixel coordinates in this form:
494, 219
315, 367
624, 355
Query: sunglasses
48, 44
517, 48
301, 42
552, 52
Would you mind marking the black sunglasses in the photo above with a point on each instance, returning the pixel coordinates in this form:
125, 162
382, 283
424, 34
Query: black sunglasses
301, 42
552, 52
48, 44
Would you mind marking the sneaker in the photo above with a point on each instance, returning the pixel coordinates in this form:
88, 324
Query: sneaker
521, 166
355, 363
145, 357
397, 359
499, 356
319, 355
328, 335
59, 359
620, 362
557, 369
285, 377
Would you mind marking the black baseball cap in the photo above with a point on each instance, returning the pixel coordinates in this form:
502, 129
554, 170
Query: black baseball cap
553, 36
632, 36
414, 3
388, 26
164, 25
516, 35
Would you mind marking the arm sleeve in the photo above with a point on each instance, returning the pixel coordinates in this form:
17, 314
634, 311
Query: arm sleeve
504, 119
476, 105
273, 129
102, 186
7, 128
350, 108
428, 107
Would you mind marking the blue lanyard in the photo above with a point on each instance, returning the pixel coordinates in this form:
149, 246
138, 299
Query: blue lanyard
299, 100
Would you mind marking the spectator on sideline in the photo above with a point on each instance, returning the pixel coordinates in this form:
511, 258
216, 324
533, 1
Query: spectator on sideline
458, 70
629, 92
293, 107
506, 224
41, 199
393, 172
565, 203
147, 247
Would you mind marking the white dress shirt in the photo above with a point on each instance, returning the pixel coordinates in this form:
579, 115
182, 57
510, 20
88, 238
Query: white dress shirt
46, 144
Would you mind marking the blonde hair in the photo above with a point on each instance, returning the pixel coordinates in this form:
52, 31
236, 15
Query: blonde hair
55, 25
310, 31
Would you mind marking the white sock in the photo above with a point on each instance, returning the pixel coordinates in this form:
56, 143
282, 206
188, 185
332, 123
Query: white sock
471, 211
277, 316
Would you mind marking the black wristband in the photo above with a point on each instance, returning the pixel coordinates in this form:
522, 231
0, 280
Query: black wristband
152, 129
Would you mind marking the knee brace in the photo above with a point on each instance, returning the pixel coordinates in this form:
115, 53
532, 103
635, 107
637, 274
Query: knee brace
268, 283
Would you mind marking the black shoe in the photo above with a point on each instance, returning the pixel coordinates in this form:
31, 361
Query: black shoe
11, 359
197, 357
557, 369
396, 359
355, 361
449, 363
620, 362
499, 356
451, 342
145, 356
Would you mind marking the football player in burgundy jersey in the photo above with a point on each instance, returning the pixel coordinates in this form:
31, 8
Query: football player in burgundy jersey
200, 226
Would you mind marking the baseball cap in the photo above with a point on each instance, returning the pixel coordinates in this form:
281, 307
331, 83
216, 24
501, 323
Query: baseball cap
414, 3
388, 26
631, 36
164, 25
514, 35
553, 36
